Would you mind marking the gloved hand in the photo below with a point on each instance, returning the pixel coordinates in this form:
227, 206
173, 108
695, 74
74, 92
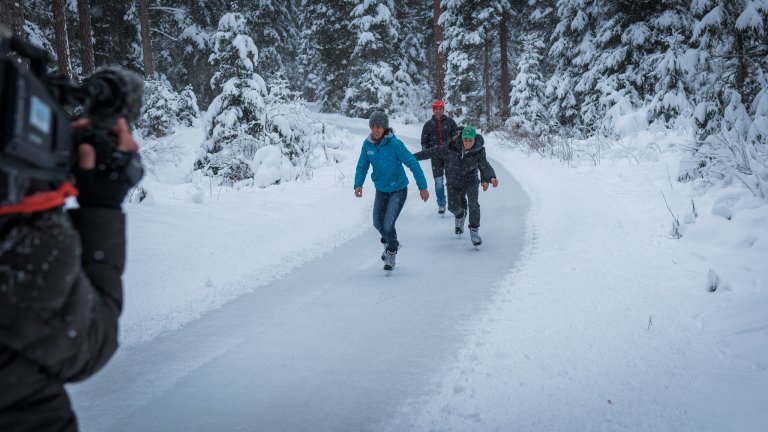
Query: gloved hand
105, 173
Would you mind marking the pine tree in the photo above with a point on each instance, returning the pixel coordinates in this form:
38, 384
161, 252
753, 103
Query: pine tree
530, 24
275, 31
12, 16
667, 64
332, 43
187, 112
235, 129
410, 86
527, 95
731, 80
464, 42
372, 64
115, 32
182, 32
159, 112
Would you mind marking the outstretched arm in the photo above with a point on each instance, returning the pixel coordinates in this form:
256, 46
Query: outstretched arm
431, 153
410, 161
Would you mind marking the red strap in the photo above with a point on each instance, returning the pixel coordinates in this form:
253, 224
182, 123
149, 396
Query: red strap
42, 201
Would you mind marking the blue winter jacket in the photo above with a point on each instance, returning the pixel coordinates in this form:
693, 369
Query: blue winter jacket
387, 159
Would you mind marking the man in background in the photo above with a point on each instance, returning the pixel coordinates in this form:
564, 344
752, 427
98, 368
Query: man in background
438, 131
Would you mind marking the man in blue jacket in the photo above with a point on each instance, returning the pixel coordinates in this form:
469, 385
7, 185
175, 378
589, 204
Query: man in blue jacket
387, 155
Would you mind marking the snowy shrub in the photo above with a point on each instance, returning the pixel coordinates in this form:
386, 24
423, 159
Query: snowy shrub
164, 109
738, 151
158, 114
235, 127
288, 121
187, 111
269, 166
156, 153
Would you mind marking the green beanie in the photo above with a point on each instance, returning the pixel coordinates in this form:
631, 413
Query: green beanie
468, 132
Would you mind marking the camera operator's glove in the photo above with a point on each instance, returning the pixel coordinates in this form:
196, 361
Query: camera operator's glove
107, 184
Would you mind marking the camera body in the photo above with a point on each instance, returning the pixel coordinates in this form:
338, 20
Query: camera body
38, 149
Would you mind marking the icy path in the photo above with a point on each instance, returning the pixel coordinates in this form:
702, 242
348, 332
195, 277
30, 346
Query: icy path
333, 346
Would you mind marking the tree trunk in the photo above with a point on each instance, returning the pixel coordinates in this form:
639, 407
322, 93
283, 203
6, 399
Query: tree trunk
439, 72
60, 37
487, 51
504, 65
145, 39
86, 40
741, 65
12, 16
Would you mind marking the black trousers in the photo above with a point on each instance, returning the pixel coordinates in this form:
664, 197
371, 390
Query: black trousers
465, 198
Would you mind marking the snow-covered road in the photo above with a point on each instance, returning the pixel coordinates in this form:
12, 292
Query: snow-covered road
333, 346
267, 309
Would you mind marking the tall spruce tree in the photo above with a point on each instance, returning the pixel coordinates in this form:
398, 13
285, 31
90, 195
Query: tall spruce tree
373, 60
464, 36
527, 96
182, 32
235, 128
667, 64
530, 25
730, 38
275, 29
116, 34
330, 46
410, 87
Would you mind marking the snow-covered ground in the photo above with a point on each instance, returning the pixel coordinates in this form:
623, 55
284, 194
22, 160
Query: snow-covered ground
594, 318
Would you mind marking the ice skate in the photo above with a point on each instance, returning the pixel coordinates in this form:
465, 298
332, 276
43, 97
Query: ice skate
389, 260
460, 223
476, 240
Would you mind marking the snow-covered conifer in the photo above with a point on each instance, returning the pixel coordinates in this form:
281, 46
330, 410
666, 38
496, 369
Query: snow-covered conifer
373, 60
275, 30
235, 128
410, 87
527, 95
730, 38
463, 42
669, 64
330, 46
187, 111
160, 110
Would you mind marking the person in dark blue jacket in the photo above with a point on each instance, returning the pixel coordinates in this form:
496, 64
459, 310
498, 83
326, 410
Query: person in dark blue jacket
387, 155
464, 158
436, 132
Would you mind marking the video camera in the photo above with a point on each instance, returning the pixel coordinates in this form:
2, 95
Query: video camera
38, 149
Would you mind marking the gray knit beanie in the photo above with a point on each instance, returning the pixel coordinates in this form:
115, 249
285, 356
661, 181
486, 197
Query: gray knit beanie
378, 118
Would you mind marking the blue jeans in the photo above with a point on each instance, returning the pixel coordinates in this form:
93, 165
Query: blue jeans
440, 191
386, 209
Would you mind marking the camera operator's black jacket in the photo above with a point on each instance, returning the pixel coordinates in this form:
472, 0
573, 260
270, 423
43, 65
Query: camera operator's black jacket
461, 166
60, 298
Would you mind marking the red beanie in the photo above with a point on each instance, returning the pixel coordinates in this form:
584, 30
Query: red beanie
438, 104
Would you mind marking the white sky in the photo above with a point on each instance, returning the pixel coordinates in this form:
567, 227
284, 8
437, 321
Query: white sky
268, 310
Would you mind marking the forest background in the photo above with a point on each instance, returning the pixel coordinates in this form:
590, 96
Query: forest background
558, 76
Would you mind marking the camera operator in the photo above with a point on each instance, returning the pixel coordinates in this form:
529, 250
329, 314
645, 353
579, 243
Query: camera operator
60, 288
